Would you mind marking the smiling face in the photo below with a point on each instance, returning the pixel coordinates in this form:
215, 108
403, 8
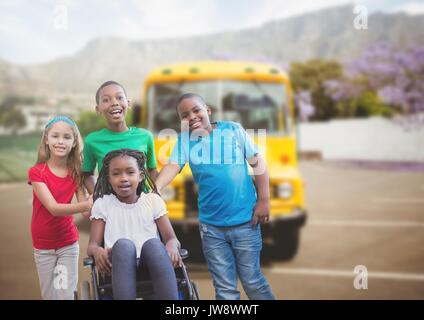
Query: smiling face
195, 113
124, 177
60, 139
113, 104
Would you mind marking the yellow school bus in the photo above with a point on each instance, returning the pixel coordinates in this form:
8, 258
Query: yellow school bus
258, 96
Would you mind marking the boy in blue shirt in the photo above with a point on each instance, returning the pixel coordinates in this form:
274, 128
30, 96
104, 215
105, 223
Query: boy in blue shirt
230, 209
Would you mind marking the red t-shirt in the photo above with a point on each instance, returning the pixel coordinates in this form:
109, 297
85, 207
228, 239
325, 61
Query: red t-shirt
48, 231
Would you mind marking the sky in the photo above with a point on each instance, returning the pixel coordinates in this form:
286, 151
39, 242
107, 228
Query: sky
36, 31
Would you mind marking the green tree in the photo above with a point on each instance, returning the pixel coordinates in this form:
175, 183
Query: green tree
13, 119
90, 121
311, 76
369, 104
11, 116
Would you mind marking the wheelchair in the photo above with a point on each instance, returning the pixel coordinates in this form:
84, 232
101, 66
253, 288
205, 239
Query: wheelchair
100, 287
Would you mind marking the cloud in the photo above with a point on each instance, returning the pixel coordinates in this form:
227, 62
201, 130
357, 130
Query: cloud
277, 9
164, 18
29, 32
410, 8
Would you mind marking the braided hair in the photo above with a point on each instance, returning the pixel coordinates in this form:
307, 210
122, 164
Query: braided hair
103, 186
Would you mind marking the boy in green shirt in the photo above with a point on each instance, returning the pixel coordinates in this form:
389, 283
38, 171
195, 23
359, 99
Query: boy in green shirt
113, 104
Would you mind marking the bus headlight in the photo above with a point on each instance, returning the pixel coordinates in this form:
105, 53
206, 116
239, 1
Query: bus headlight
284, 190
168, 193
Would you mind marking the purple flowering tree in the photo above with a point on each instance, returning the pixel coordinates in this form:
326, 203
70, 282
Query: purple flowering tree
394, 76
304, 104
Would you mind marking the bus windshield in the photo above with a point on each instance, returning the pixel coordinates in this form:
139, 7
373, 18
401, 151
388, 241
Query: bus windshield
256, 105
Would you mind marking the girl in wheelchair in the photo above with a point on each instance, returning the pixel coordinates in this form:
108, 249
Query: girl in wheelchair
126, 217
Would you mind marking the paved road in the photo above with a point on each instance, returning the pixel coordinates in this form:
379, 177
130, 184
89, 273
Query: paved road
356, 217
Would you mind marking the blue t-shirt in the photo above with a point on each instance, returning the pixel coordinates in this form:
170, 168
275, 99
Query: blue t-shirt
227, 195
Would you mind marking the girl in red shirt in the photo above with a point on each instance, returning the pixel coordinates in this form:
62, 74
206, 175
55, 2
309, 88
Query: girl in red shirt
56, 178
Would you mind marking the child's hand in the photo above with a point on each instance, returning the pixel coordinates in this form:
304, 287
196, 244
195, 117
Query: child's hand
174, 254
101, 257
261, 214
89, 203
86, 214
185, 126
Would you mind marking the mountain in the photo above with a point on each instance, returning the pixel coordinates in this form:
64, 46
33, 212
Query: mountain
327, 33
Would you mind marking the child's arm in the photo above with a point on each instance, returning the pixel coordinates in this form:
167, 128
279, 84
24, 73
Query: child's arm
89, 181
261, 213
95, 249
80, 194
171, 242
153, 173
59, 209
166, 175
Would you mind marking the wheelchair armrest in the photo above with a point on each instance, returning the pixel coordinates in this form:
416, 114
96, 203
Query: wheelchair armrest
88, 261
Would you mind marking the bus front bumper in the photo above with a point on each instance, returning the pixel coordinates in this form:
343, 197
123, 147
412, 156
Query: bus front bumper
284, 223
280, 223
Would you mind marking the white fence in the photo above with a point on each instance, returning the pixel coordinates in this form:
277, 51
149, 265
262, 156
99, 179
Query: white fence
365, 139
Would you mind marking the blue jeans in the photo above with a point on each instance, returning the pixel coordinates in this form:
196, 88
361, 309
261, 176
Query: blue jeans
232, 252
153, 258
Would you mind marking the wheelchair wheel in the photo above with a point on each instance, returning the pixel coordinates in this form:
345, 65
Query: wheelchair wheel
195, 292
85, 290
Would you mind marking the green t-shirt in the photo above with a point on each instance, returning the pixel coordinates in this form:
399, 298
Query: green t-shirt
98, 143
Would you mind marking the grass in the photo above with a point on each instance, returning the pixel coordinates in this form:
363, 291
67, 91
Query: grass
23, 142
17, 155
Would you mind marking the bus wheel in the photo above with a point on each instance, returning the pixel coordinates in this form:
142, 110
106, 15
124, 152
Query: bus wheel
285, 245
193, 244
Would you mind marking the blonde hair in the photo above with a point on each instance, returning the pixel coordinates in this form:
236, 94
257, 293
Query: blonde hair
75, 157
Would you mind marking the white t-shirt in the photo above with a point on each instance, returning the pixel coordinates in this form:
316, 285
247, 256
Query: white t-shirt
135, 221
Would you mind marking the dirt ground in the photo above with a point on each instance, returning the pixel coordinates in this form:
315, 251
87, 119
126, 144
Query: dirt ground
357, 216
